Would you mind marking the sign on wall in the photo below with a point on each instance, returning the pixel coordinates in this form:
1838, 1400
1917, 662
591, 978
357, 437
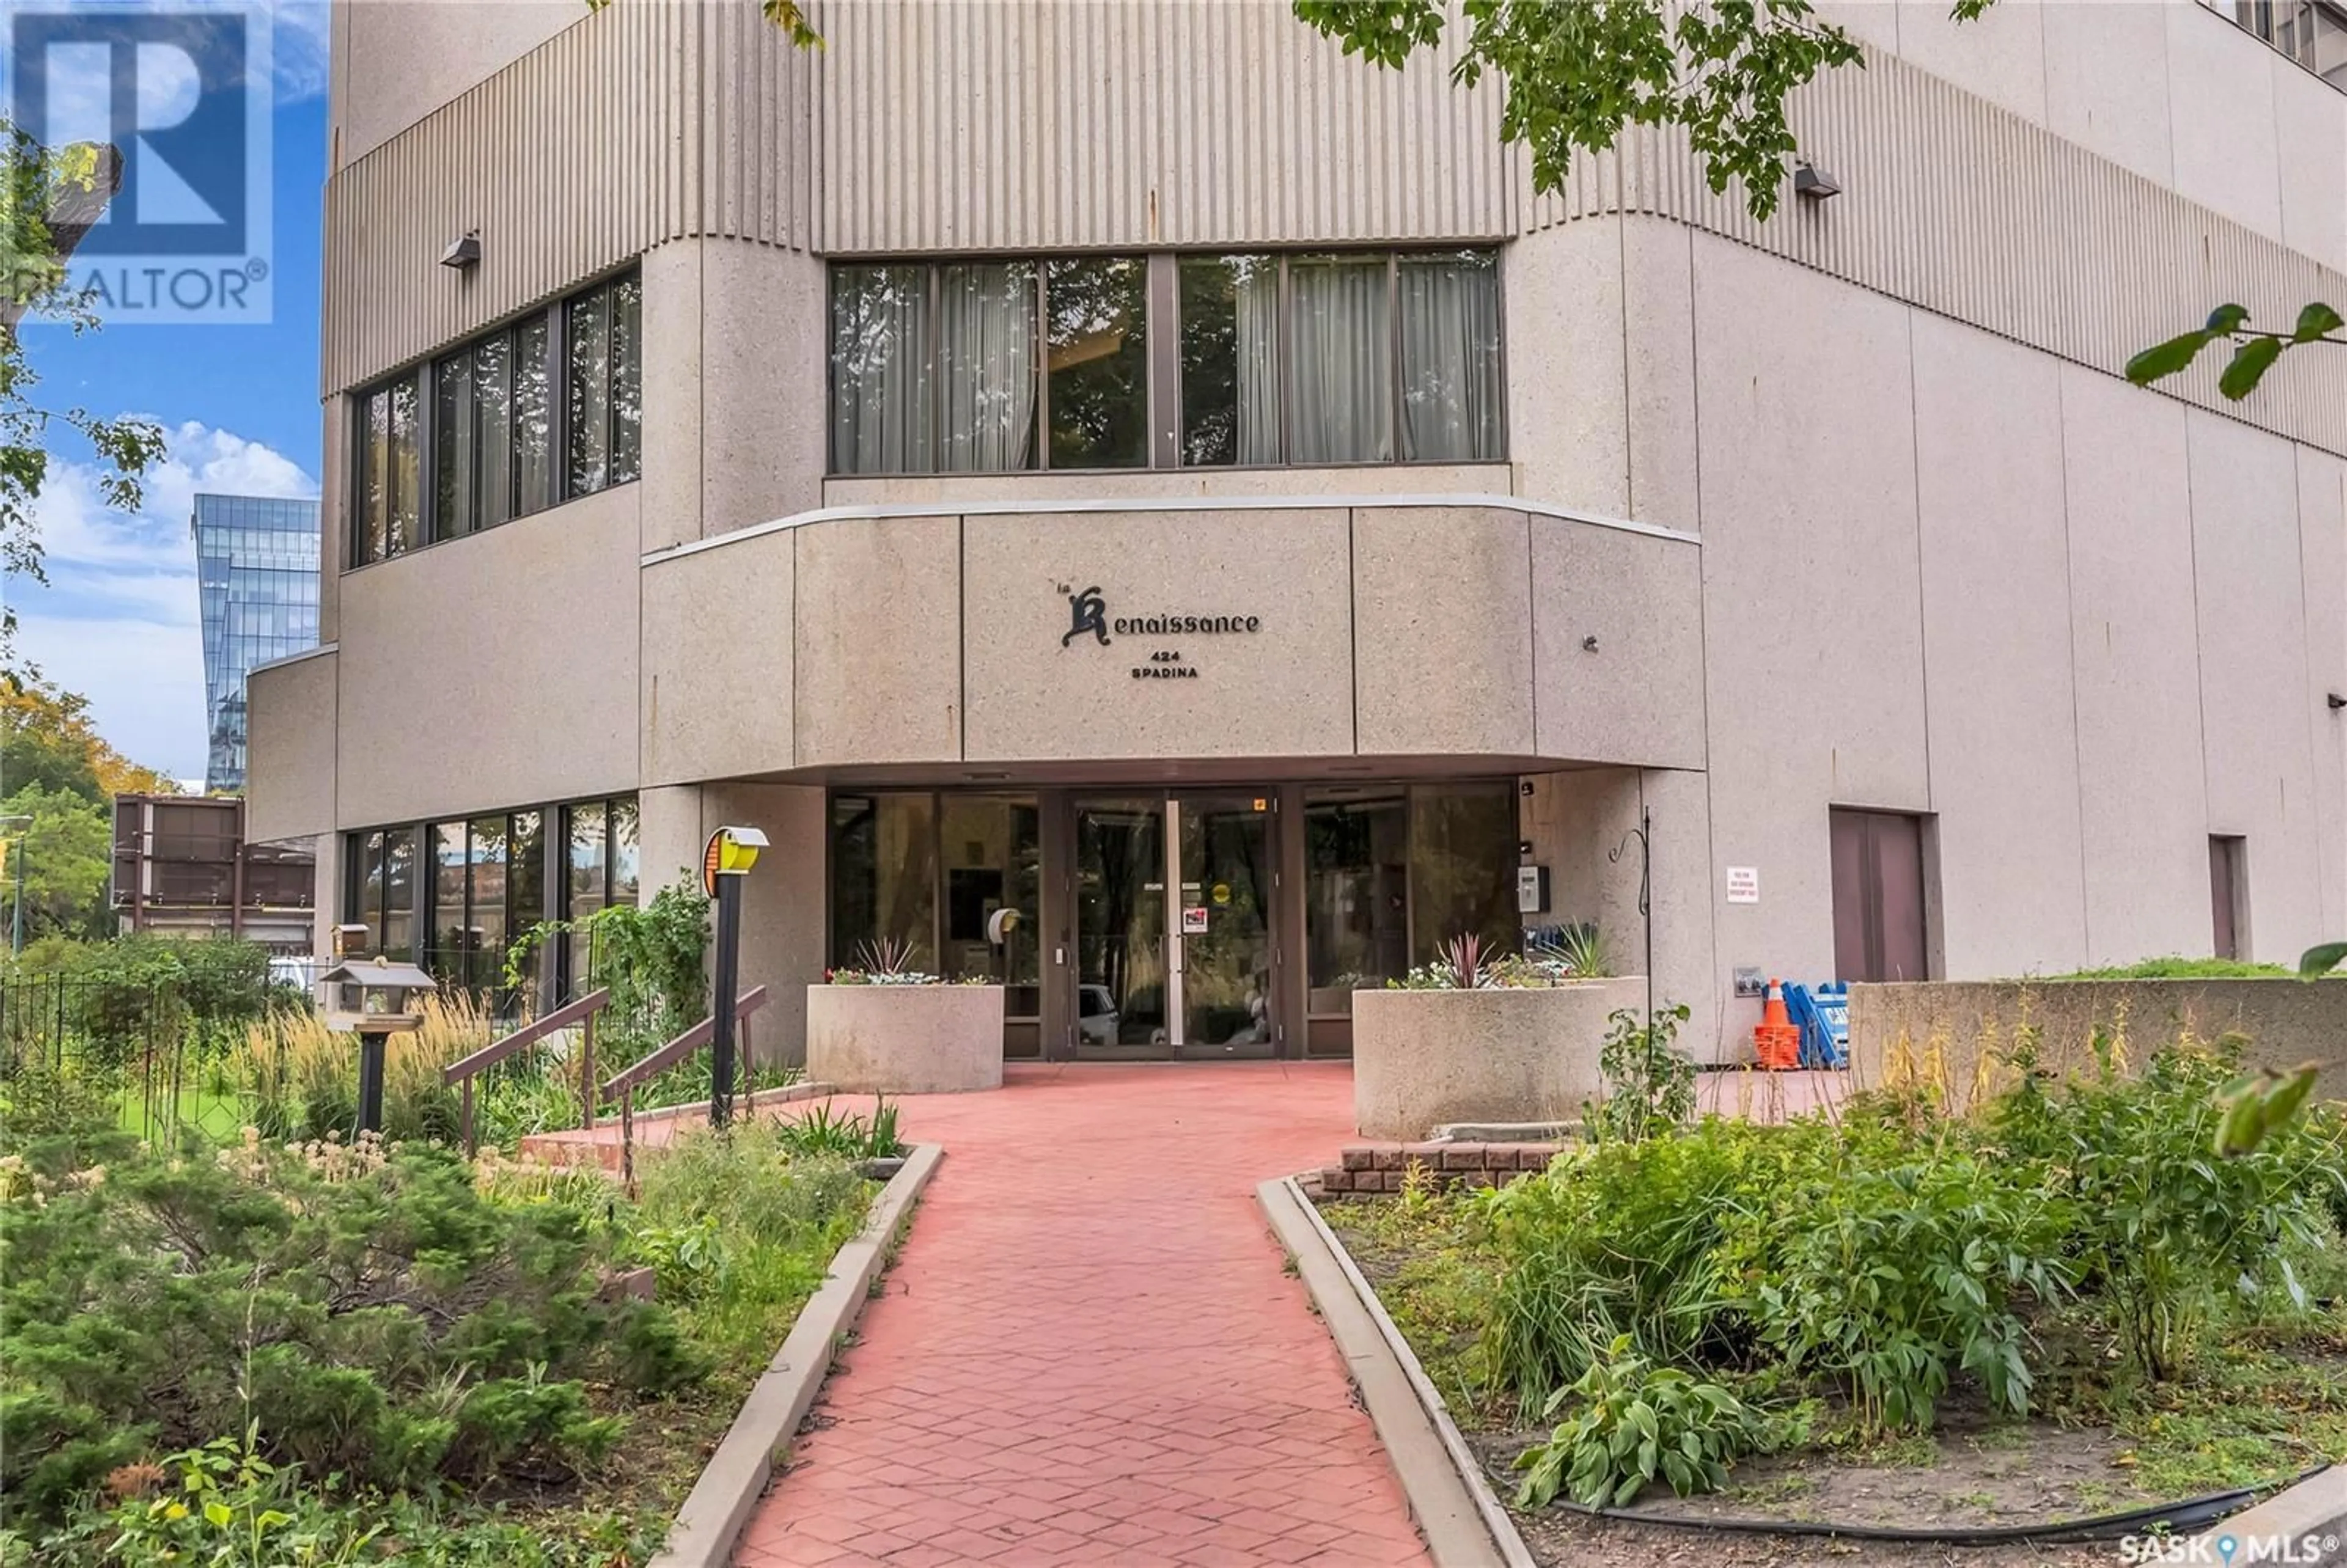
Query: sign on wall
1088, 616
1744, 885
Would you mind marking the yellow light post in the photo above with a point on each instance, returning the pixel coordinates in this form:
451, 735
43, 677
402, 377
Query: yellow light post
726, 860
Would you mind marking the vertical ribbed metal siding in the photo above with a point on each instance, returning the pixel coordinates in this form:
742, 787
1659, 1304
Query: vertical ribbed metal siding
653, 121
978, 125
1038, 125
1965, 209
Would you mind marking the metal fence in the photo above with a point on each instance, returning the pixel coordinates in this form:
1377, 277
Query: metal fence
162, 1050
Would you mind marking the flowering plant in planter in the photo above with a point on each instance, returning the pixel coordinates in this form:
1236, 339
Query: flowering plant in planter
887, 961
1461, 964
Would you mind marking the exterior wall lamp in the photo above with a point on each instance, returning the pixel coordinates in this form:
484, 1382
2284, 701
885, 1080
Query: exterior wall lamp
1811, 183
464, 252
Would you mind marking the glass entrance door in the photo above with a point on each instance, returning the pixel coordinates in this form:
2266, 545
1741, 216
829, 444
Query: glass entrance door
1225, 969
1121, 924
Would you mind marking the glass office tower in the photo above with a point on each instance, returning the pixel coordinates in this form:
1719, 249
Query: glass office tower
257, 579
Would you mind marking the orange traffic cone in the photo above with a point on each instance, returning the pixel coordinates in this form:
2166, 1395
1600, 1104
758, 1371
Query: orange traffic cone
1776, 1039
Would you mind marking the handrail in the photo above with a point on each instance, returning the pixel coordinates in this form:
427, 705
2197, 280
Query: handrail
682, 1046
463, 1072
528, 1034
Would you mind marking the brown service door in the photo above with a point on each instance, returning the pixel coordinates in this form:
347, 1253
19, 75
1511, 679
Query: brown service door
1878, 896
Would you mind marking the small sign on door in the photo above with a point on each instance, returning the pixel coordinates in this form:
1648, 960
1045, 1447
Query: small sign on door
1744, 885
1194, 920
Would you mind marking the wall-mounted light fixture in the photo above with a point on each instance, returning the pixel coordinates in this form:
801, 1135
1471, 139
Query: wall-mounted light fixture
2337, 701
1811, 183
463, 253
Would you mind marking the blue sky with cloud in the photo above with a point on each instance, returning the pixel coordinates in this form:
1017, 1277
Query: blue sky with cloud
239, 405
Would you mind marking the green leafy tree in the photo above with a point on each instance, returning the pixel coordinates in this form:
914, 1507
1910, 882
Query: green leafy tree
67, 849
53, 195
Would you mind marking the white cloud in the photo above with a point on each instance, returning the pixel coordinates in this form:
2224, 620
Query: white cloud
117, 621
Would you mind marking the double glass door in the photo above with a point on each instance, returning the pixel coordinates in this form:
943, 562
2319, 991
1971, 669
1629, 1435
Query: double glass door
1175, 906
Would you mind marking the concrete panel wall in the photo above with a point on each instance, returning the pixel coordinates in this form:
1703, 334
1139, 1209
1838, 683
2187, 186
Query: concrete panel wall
1566, 406
496, 668
2285, 1022
1811, 595
1996, 645
1575, 820
765, 332
945, 491
2227, 154
1637, 695
734, 346
783, 933
2322, 566
2001, 55
2107, 81
880, 606
720, 663
395, 64
1442, 630
2311, 131
2246, 553
1657, 303
1036, 692
290, 749
2143, 794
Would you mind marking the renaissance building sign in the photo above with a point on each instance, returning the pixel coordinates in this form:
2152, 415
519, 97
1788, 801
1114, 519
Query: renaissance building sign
1088, 617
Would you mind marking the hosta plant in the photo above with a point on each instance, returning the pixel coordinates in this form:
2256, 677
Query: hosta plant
1635, 1423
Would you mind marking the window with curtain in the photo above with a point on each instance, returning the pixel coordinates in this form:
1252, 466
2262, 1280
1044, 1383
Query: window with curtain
1340, 369
497, 450
1343, 357
944, 367
1229, 308
879, 370
1448, 308
986, 367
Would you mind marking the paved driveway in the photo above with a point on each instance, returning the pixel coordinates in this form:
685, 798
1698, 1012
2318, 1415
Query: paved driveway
1089, 1353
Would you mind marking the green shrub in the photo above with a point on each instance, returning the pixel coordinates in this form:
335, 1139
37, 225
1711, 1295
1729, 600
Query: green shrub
2162, 1228
1649, 1082
744, 1224
1891, 1278
365, 1311
1636, 1423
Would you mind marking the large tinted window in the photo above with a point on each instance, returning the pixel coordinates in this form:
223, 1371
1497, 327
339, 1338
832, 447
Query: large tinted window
1230, 359
1348, 357
1097, 352
496, 449
942, 368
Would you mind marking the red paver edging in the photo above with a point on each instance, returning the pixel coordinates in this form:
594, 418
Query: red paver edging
1089, 1351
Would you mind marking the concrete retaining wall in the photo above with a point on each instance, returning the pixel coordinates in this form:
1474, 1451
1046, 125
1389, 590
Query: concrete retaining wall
906, 1039
1424, 1058
1956, 1032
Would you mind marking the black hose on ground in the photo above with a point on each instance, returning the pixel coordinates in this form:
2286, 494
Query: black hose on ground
2190, 1515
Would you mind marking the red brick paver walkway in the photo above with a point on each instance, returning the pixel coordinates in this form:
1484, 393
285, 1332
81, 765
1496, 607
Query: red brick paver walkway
1089, 1352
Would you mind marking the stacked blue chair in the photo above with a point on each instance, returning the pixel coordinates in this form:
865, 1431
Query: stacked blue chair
1822, 1015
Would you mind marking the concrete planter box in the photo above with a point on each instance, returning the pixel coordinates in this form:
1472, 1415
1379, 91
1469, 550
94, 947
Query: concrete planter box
1956, 1024
906, 1039
1424, 1058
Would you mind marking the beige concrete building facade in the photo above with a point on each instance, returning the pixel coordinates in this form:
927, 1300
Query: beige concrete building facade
1130, 464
